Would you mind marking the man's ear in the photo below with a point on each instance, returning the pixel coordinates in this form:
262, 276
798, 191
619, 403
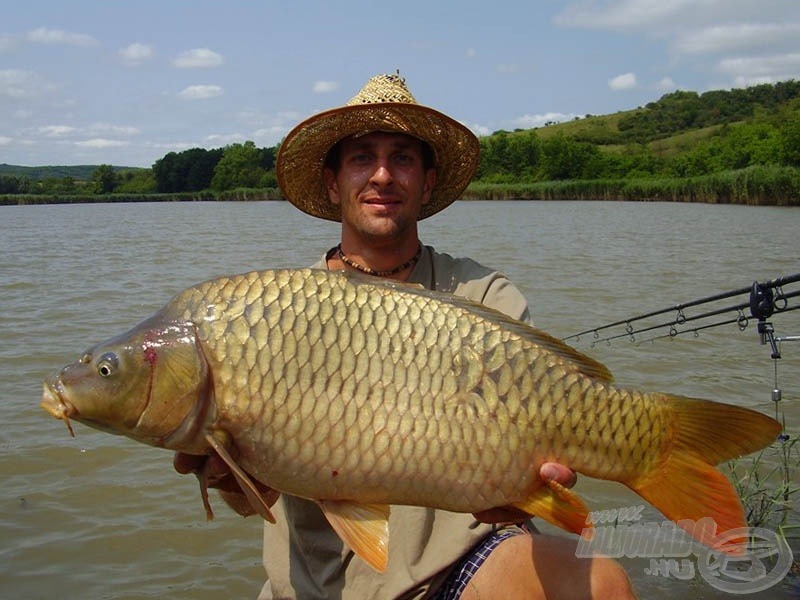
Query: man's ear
330, 184
430, 182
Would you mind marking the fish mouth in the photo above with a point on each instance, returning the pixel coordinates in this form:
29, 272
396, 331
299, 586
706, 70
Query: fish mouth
55, 403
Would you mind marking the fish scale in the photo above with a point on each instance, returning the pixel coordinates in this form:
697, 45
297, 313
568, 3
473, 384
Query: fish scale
360, 393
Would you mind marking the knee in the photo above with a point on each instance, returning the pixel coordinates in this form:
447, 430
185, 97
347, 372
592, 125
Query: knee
609, 580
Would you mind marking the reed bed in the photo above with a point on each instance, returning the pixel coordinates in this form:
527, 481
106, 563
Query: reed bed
757, 186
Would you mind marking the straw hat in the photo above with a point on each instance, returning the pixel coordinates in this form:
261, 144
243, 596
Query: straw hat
383, 104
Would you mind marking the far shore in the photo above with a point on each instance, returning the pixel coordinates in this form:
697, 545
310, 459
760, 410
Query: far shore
754, 186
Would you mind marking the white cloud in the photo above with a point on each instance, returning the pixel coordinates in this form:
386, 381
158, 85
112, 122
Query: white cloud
623, 14
5, 140
170, 146
666, 83
626, 81
18, 84
7, 43
199, 58
56, 130
135, 54
201, 92
271, 133
100, 143
42, 35
480, 130
107, 128
749, 42
531, 121
471, 53
743, 81
732, 37
224, 139
322, 87
781, 65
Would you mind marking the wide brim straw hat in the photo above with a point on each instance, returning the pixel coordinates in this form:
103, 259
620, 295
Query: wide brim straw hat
383, 104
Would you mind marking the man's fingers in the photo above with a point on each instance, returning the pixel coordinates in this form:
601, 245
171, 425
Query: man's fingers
559, 473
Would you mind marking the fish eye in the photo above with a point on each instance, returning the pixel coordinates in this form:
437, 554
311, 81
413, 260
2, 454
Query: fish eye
107, 364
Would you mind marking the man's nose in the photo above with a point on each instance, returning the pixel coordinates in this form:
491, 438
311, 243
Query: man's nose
382, 174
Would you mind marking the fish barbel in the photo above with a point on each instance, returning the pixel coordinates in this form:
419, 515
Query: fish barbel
359, 393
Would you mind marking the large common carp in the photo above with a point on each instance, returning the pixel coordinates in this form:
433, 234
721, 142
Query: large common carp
360, 393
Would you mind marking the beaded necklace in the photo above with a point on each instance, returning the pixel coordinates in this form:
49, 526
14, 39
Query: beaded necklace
351, 263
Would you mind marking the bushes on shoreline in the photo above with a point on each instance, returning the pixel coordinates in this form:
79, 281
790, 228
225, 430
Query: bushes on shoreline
756, 186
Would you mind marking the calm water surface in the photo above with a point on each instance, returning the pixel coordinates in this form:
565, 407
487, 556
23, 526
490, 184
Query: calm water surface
103, 517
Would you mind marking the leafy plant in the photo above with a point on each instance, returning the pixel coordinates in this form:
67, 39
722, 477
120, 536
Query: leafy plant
767, 483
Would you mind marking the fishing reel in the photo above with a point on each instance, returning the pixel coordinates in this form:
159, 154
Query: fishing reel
762, 305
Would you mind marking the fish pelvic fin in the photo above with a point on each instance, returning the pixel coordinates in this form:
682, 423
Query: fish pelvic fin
243, 479
363, 527
685, 485
557, 505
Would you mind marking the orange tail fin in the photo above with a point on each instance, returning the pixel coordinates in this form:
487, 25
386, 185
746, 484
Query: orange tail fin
685, 485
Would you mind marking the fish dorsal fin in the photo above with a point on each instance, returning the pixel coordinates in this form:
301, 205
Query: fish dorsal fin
363, 527
243, 479
585, 364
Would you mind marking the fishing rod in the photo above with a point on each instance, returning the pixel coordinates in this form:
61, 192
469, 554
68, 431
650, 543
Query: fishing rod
763, 301
780, 305
742, 321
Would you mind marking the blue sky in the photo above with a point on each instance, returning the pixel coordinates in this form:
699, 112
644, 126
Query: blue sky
124, 83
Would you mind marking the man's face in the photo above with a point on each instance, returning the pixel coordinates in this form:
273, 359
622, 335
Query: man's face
381, 184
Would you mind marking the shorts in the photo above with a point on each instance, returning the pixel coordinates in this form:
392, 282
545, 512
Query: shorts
465, 570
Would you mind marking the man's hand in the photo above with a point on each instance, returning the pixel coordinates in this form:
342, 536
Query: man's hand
508, 514
212, 471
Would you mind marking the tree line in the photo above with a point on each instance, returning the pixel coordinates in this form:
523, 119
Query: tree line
756, 126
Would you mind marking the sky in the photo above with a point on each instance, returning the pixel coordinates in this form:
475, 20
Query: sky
125, 83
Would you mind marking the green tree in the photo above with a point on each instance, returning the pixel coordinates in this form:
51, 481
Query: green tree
140, 181
188, 171
240, 166
789, 136
563, 158
59, 185
104, 179
11, 184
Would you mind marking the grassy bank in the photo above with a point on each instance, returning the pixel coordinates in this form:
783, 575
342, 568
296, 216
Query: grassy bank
240, 194
756, 186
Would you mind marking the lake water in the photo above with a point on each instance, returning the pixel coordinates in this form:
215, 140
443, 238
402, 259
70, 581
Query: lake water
100, 516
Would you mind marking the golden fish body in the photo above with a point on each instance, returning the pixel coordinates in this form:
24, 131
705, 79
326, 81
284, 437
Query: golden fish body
333, 389
360, 393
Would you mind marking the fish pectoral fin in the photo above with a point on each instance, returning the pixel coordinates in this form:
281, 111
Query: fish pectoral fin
557, 505
363, 527
243, 479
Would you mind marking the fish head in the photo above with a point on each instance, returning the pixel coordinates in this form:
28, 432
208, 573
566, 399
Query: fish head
150, 384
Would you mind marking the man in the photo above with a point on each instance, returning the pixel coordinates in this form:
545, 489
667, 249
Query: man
379, 165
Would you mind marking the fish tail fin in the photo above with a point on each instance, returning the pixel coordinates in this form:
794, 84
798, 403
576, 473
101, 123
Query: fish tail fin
684, 484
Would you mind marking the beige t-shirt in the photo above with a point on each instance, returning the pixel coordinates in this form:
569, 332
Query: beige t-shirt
303, 556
